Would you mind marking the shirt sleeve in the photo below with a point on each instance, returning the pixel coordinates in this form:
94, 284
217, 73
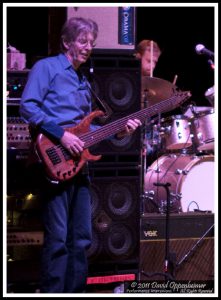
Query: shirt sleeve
52, 129
33, 97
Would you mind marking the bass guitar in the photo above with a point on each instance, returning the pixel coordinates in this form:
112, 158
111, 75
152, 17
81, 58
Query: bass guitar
61, 166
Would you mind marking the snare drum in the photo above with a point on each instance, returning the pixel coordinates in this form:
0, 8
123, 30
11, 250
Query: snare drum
191, 179
203, 130
176, 132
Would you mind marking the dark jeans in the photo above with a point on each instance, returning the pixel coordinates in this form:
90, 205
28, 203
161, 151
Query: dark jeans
67, 235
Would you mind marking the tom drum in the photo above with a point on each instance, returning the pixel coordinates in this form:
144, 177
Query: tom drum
203, 130
176, 132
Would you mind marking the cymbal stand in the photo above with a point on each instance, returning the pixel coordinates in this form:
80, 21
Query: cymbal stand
144, 153
168, 261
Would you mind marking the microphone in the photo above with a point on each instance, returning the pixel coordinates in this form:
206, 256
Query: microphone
201, 49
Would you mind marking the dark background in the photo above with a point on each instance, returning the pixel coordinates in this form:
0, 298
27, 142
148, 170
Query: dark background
35, 31
116, 178
178, 30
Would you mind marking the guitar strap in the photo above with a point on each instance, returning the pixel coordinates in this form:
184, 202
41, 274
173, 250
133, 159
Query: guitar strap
101, 105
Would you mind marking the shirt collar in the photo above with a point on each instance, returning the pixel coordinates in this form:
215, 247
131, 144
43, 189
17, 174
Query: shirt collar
64, 61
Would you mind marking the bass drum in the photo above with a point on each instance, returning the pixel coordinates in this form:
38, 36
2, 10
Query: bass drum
191, 180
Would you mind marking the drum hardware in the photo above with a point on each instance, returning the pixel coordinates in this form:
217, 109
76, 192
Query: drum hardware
157, 170
191, 178
149, 196
184, 151
156, 136
174, 199
176, 196
179, 171
162, 206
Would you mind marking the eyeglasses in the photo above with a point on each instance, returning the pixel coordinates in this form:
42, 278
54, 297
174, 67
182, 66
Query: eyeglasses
84, 43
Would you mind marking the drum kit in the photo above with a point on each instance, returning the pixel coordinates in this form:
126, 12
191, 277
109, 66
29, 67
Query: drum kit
185, 155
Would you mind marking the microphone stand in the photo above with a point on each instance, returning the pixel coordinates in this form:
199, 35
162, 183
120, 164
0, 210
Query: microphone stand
169, 263
143, 156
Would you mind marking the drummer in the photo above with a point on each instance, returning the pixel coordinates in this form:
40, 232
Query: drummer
148, 52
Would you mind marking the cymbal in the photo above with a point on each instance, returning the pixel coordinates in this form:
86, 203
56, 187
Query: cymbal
155, 90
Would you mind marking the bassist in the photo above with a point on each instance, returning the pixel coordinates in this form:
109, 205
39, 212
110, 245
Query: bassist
56, 97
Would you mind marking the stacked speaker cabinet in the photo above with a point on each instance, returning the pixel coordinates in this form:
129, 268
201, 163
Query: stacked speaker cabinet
115, 80
115, 220
115, 178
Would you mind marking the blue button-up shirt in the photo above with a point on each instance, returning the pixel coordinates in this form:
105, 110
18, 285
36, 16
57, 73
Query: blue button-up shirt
55, 96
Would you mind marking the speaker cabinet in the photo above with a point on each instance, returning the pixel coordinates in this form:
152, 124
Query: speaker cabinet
115, 213
191, 247
115, 225
116, 81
